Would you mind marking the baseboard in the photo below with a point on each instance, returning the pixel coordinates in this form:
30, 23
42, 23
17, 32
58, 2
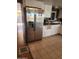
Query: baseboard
52, 35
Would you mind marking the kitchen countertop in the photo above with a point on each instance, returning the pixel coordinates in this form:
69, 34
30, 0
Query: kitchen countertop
55, 23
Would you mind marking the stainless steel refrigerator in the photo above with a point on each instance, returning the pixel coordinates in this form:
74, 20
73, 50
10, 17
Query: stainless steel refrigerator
34, 23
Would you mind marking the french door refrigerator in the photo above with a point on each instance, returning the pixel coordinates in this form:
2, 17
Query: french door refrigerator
34, 21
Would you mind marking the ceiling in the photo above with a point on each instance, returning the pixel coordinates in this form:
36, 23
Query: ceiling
53, 2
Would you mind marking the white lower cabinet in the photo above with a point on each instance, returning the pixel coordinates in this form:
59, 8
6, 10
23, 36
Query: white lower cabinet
52, 30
